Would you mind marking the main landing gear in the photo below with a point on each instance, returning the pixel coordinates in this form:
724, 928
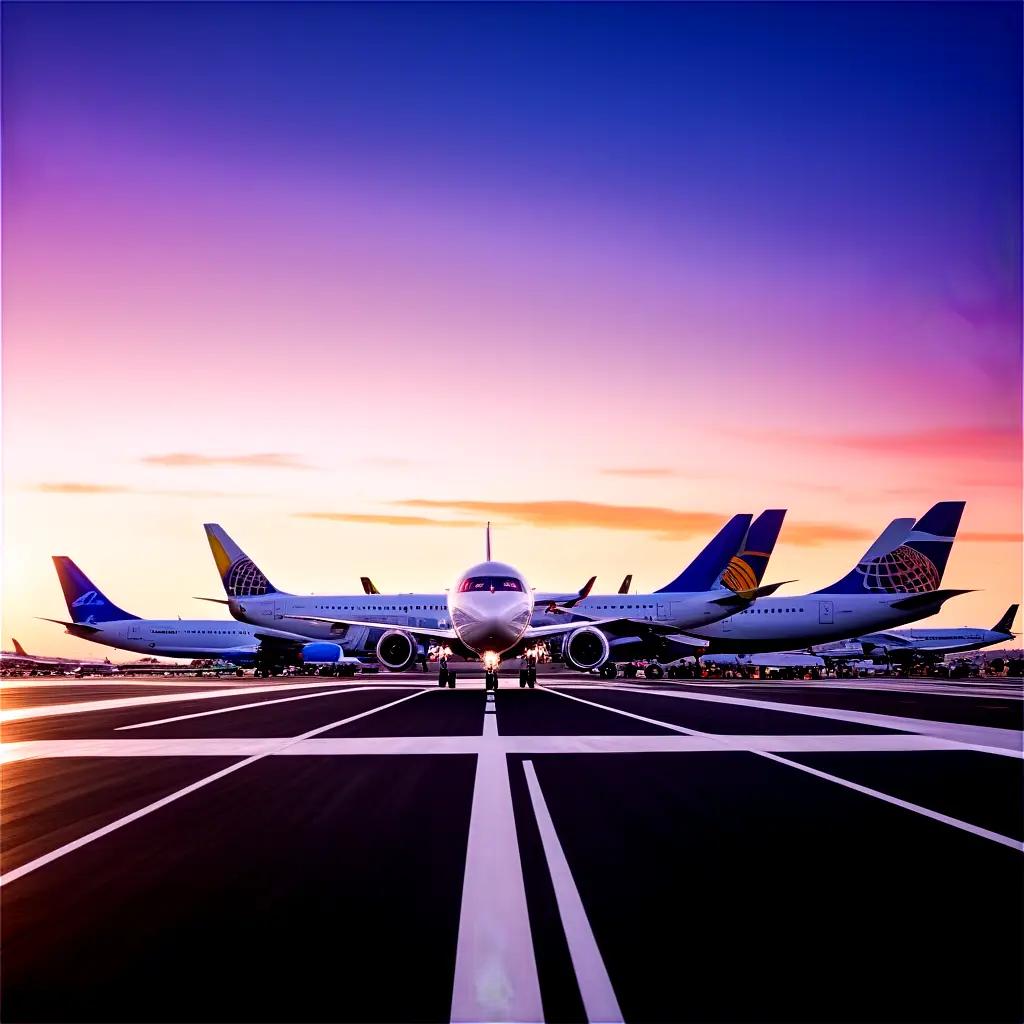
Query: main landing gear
528, 677
446, 675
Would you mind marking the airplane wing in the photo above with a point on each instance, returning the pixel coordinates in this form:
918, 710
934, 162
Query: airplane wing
425, 631
614, 626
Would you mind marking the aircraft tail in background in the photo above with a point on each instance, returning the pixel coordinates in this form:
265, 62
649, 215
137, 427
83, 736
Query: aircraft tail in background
747, 567
906, 562
1004, 625
86, 603
239, 573
704, 572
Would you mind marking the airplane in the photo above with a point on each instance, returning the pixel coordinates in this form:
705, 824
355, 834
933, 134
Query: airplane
96, 618
20, 659
490, 607
909, 645
896, 581
724, 578
252, 598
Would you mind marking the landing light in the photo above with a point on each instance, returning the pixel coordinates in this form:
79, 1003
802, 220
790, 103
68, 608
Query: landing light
491, 660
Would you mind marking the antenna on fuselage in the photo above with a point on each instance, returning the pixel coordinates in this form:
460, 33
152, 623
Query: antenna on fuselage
487, 542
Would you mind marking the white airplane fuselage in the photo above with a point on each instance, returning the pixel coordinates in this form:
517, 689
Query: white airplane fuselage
490, 606
179, 638
789, 623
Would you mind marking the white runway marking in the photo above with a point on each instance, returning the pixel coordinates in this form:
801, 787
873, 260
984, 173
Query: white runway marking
999, 740
341, 746
113, 826
80, 707
243, 707
495, 967
596, 990
733, 742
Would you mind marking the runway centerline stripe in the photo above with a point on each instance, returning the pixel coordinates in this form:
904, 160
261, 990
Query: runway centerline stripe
127, 819
243, 707
495, 964
737, 743
595, 986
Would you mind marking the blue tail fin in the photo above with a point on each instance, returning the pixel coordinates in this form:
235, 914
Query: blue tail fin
86, 602
238, 572
914, 563
704, 571
747, 567
1004, 625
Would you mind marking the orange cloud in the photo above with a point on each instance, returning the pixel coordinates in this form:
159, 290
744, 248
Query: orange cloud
381, 520
264, 460
991, 538
938, 443
75, 487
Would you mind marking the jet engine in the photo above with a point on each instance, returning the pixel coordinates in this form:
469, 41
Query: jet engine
396, 650
586, 648
322, 653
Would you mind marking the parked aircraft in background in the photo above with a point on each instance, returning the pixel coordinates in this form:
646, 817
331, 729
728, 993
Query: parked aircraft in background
96, 618
896, 582
20, 660
923, 644
723, 579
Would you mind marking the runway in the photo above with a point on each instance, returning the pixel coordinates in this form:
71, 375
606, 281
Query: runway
390, 851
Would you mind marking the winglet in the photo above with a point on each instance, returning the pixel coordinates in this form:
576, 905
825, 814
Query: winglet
582, 595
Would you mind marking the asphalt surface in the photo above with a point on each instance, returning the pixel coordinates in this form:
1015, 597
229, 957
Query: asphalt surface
380, 849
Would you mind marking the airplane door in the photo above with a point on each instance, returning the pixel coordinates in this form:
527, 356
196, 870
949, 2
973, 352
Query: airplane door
826, 610
662, 611
134, 632
280, 609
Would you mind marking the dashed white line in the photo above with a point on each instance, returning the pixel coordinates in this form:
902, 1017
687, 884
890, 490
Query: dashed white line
595, 986
127, 819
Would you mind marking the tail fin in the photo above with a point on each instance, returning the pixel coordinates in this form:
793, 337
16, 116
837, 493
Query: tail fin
369, 587
86, 602
746, 568
18, 649
704, 571
238, 572
1004, 625
626, 584
914, 564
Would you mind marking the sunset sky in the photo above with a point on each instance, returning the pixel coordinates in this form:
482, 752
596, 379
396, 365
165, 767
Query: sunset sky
350, 280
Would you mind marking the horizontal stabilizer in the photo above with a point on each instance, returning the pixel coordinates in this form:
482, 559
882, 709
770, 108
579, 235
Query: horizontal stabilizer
928, 599
743, 597
212, 600
79, 628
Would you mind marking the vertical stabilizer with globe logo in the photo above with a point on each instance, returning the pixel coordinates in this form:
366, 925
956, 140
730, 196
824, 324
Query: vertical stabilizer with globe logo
747, 567
912, 563
239, 573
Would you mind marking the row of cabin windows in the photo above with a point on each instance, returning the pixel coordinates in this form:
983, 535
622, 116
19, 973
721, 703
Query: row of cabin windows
218, 632
769, 611
381, 608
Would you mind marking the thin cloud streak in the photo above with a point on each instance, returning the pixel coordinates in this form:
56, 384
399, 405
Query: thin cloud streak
262, 460
382, 519
75, 487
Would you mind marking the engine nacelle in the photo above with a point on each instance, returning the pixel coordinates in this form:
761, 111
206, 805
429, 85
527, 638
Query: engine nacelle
586, 648
322, 653
396, 650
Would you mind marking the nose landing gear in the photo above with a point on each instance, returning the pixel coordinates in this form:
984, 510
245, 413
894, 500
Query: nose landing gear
490, 680
446, 675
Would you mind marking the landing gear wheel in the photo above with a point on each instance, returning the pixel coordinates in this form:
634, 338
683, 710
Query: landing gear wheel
451, 679
608, 670
532, 678
654, 671
490, 680
629, 672
524, 677
442, 677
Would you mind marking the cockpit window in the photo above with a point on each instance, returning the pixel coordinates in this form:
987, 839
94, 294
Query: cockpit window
474, 584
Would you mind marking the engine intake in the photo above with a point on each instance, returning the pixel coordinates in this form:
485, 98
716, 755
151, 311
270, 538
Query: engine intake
586, 648
396, 650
